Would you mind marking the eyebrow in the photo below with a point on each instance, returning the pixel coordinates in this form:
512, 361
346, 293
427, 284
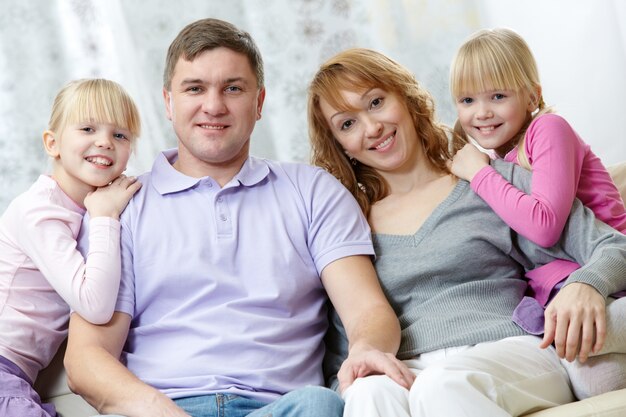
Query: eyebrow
188, 81
361, 98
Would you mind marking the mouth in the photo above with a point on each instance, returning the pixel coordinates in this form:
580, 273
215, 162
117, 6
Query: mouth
383, 143
487, 129
99, 160
211, 126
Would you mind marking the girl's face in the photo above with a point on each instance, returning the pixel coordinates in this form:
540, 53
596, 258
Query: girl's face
494, 118
379, 132
88, 155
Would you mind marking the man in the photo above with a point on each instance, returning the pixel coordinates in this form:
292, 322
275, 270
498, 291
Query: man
227, 261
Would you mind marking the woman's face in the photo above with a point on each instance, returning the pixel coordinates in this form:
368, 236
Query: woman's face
378, 130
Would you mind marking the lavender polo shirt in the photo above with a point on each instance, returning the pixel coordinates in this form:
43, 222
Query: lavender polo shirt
223, 283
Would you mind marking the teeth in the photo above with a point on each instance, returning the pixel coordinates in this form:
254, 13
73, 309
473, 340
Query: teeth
212, 127
386, 142
99, 161
486, 128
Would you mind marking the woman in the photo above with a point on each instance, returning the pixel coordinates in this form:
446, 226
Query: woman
450, 267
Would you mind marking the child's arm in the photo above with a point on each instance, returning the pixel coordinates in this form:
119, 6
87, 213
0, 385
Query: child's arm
88, 285
556, 157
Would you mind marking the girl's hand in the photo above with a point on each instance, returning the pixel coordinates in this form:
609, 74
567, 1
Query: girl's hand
467, 162
574, 318
111, 200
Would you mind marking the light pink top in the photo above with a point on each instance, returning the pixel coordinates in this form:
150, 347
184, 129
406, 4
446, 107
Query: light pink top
564, 167
41, 272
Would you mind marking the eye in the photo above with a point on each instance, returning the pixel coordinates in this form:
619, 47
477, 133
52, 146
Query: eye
498, 96
377, 102
346, 125
120, 136
466, 100
233, 89
88, 129
194, 89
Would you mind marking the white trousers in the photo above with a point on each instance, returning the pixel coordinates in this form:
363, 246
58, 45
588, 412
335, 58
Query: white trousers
509, 377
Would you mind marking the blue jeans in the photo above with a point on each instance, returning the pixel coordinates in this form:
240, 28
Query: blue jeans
304, 402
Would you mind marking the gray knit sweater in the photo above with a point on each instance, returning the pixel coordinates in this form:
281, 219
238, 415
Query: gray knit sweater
458, 279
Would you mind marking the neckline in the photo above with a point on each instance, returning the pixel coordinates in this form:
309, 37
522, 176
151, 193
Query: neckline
430, 222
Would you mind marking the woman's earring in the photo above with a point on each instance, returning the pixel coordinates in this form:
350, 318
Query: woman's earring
351, 158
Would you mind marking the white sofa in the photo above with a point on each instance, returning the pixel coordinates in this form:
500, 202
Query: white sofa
52, 386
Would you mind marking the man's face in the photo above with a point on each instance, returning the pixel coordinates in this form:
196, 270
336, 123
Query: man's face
213, 104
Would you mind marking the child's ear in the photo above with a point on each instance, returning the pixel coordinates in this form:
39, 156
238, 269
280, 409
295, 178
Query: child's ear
50, 144
534, 99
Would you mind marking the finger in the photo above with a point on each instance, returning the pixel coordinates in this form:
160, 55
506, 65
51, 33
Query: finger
128, 181
549, 329
345, 377
560, 336
573, 342
409, 376
586, 339
396, 372
600, 331
134, 187
119, 179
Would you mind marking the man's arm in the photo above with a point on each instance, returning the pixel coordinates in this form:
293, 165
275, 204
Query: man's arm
371, 325
94, 371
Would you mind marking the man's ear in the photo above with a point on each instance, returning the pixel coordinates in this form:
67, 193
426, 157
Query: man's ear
259, 104
167, 97
50, 144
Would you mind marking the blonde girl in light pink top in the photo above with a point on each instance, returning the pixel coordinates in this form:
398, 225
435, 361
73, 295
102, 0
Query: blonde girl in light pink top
494, 81
43, 276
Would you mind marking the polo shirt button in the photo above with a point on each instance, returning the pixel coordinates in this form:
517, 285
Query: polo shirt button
223, 218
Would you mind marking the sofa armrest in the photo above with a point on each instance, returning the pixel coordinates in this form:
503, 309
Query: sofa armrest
611, 404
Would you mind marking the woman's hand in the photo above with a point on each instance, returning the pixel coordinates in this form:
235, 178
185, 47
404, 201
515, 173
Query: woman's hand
467, 162
362, 363
573, 319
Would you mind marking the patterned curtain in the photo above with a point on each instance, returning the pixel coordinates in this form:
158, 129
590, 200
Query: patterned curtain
580, 46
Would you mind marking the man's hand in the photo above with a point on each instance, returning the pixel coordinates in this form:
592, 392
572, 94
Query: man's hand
574, 318
373, 362
467, 162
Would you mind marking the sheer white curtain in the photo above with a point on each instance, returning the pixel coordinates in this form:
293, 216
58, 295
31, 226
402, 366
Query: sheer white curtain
580, 46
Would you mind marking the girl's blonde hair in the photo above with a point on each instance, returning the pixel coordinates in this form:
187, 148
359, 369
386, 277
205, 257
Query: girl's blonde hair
358, 70
497, 59
97, 100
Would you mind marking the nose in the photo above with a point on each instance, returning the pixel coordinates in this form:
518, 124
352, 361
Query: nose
484, 111
104, 140
213, 102
373, 128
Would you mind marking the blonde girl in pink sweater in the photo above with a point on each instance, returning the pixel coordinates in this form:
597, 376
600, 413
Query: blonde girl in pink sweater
43, 276
495, 84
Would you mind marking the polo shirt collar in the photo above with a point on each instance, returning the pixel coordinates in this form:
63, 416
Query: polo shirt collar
167, 179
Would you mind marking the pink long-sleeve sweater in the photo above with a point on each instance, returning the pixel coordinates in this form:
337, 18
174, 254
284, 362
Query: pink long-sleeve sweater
564, 167
43, 275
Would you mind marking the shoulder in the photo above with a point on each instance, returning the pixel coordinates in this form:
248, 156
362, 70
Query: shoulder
551, 131
549, 122
301, 174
